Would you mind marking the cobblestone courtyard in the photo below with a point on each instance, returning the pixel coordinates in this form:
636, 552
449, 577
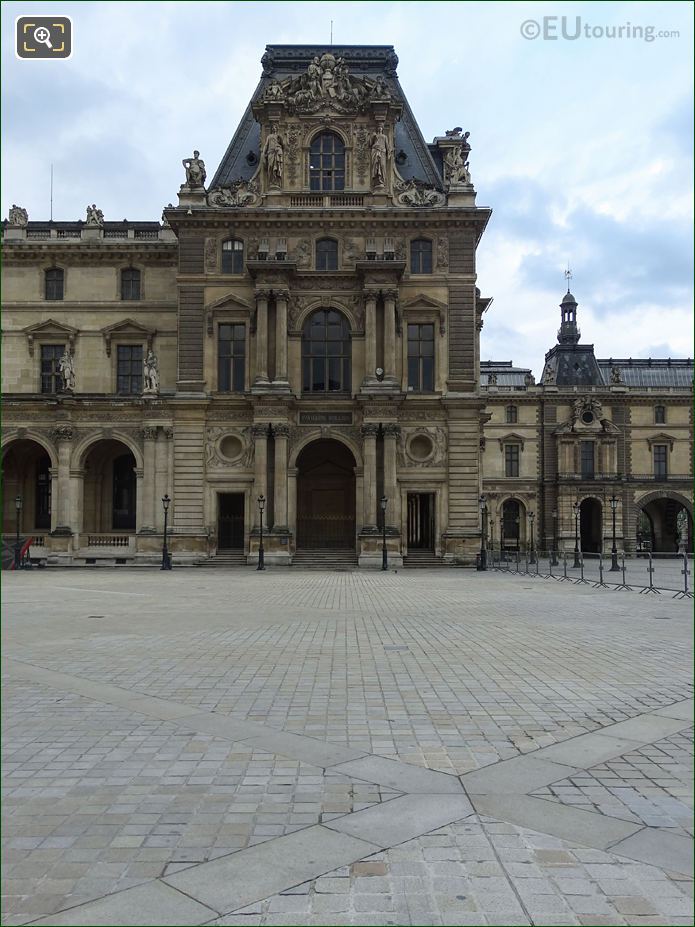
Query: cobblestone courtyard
420, 747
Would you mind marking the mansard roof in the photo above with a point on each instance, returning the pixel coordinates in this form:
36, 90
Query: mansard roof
282, 61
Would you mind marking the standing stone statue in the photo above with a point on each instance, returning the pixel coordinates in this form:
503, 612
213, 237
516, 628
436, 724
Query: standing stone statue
274, 157
380, 151
95, 217
66, 366
151, 373
195, 171
18, 216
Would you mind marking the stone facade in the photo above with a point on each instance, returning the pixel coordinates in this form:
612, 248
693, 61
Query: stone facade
190, 363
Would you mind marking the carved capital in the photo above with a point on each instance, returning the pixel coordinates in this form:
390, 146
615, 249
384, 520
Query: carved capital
262, 295
62, 433
168, 432
282, 294
281, 430
392, 430
259, 431
149, 433
369, 430
390, 294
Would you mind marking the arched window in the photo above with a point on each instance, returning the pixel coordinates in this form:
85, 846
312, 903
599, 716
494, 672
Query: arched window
232, 256
130, 283
659, 415
421, 256
326, 254
327, 163
512, 415
54, 283
326, 353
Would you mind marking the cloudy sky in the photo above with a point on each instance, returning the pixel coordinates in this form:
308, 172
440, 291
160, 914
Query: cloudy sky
582, 146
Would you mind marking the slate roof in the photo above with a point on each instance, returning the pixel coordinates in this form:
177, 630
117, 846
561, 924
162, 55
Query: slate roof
507, 374
281, 61
655, 372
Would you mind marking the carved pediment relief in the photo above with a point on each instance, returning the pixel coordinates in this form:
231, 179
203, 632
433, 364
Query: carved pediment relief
50, 330
239, 193
587, 417
326, 83
224, 305
127, 328
661, 438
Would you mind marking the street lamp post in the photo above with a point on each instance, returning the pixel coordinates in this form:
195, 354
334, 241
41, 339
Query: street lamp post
17, 544
166, 559
614, 549
261, 552
483, 532
553, 554
502, 554
577, 512
384, 552
532, 550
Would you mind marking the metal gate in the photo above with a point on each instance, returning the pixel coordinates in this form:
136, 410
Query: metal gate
333, 531
421, 521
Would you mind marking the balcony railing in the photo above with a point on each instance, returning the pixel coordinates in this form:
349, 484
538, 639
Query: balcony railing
631, 478
108, 540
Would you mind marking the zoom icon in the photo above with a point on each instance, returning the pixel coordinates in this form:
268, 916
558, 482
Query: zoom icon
43, 37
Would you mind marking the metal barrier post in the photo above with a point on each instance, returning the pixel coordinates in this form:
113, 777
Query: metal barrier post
600, 582
581, 579
685, 594
650, 587
564, 578
624, 584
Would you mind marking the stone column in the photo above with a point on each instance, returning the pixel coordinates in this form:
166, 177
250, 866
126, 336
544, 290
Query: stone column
261, 337
369, 433
281, 297
63, 435
281, 433
390, 334
369, 337
260, 484
393, 510
149, 435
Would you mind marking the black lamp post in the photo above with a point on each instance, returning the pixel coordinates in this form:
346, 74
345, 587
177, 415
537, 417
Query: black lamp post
261, 552
483, 532
553, 553
501, 536
17, 543
577, 513
614, 549
384, 552
532, 549
166, 559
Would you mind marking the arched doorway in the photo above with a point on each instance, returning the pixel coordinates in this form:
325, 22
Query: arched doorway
326, 496
110, 488
26, 473
590, 534
664, 526
512, 534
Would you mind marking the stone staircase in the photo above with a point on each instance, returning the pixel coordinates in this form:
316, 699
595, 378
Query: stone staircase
225, 559
423, 560
325, 559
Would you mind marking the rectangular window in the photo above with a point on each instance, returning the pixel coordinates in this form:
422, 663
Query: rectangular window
231, 358
421, 358
511, 459
587, 460
50, 370
232, 256
661, 461
660, 415
54, 282
129, 369
130, 284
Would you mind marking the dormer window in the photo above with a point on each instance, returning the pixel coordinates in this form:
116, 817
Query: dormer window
327, 163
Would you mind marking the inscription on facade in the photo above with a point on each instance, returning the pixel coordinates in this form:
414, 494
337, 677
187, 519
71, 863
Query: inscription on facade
325, 418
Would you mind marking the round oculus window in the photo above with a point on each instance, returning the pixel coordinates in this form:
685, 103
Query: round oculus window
587, 417
231, 447
420, 447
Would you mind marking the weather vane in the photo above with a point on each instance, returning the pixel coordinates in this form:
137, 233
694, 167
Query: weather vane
568, 277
